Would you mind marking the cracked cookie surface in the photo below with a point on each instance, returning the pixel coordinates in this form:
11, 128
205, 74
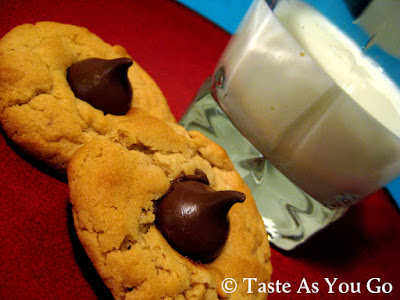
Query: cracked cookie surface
38, 109
114, 187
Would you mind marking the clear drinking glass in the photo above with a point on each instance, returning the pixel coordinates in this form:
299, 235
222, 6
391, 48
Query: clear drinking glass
305, 100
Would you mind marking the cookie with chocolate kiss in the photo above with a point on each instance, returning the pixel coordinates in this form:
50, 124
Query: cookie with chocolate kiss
48, 116
123, 192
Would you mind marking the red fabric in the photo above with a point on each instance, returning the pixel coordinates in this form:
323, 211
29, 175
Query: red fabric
40, 257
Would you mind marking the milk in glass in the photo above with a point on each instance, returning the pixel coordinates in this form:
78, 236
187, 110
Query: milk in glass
319, 109
316, 122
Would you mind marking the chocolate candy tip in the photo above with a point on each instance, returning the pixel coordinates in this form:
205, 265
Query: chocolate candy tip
194, 218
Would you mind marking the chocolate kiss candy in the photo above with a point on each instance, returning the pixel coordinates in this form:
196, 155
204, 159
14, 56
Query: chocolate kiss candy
194, 218
102, 83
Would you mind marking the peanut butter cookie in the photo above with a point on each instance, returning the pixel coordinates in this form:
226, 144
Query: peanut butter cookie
117, 188
43, 110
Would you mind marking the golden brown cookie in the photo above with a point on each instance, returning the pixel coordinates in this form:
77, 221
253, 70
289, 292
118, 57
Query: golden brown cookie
115, 186
38, 109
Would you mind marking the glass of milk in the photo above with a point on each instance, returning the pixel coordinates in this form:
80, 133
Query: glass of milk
306, 102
